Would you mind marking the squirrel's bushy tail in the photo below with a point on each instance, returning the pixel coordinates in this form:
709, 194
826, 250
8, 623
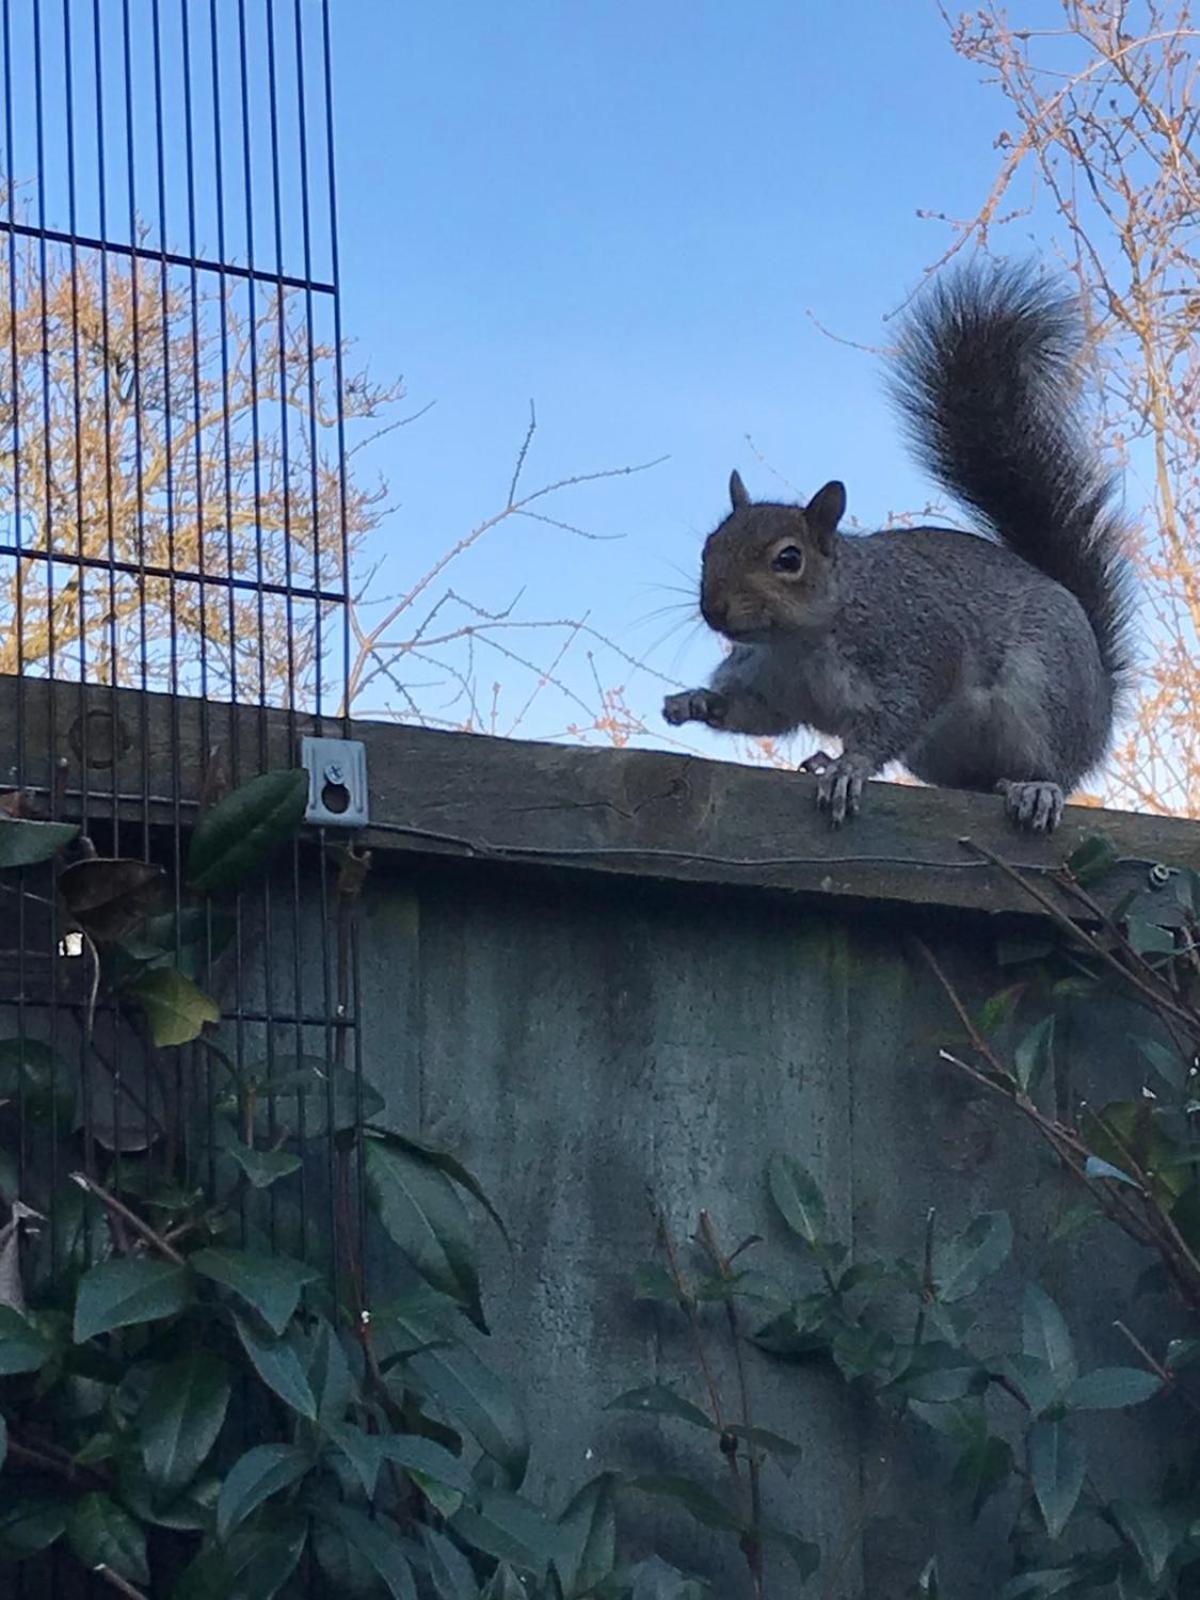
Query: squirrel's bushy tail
986, 381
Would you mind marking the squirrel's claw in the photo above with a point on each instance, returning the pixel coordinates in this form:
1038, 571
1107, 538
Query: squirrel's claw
840, 787
816, 763
1037, 806
696, 705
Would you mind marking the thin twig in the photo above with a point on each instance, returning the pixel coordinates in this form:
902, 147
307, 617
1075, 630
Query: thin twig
725, 1270
119, 1209
122, 1585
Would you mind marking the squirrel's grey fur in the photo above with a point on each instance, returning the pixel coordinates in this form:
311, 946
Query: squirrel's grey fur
979, 662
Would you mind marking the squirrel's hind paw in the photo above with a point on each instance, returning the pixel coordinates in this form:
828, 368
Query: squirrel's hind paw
1037, 807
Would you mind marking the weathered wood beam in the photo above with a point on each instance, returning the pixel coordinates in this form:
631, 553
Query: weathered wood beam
637, 814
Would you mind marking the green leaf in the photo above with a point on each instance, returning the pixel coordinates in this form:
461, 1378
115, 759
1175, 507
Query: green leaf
962, 1263
101, 1534
785, 1451
1152, 1535
505, 1585
329, 1375
985, 1462
243, 831
121, 1293
805, 1554
655, 1580
1045, 1336
175, 1008
425, 1458
32, 1075
422, 1212
444, 1162
1182, 1353
1149, 938
305, 1095
347, 1573
360, 1450
797, 1197
262, 1167
938, 1372
693, 1497
191, 941
1073, 1222
1040, 1585
998, 1008
510, 1529
255, 1564
1170, 1064
189, 1512
449, 1569
1091, 860
468, 1393
589, 1535
109, 896
652, 1282
266, 1470
1057, 1462
264, 1555
1033, 1380
658, 1398
278, 1364
1033, 1055
25, 844
182, 1417
1096, 1168
375, 1541
272, 1285
30, 1521
1111, 1388
23, 1348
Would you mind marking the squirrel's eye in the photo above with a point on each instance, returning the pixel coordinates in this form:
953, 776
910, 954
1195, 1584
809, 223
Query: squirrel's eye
789, 559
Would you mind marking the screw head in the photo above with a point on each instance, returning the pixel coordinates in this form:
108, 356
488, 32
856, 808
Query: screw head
334, 772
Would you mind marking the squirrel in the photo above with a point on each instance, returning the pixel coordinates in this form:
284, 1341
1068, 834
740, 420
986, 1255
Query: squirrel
991, 661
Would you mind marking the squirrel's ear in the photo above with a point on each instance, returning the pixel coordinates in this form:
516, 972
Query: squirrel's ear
737, 491
824, 511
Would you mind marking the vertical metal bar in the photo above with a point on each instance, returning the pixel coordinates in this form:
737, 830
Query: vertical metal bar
204, 1063
339, 379
226, 420
109, 466
281, 309
164, 290
48, 533
81, 625
135, 310
17, 389
313, 445
255, 423
138, 443
344, 549
105, 352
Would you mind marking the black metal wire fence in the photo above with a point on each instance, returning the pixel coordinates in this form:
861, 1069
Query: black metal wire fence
173, 582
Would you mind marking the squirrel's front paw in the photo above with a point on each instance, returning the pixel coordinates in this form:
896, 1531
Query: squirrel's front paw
840, 787
696, 705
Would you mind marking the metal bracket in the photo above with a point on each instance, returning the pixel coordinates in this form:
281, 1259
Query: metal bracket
337, 782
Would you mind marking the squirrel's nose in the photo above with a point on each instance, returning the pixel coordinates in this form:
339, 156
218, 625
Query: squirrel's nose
714, 611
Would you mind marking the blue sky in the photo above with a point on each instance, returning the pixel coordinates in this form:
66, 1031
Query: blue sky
630, 213
633, 214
